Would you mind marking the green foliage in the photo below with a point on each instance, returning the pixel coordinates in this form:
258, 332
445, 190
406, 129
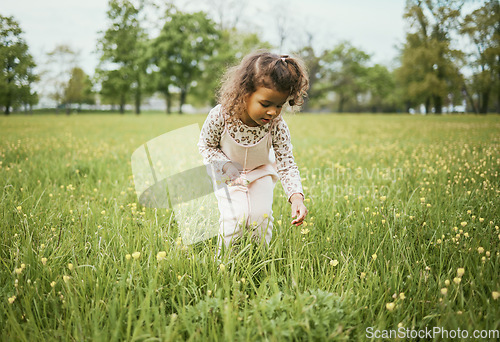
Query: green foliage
16, 67
483, 28
122, 49
182, 49
79, 89
396, 205
429, 69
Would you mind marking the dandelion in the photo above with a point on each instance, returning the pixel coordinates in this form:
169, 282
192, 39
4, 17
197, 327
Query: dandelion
136, 255
488, 254
481, 219
243, 280
66, 278
334, 262
304, 231
444, 291
422, 200
222, 267
469, 212
362, 275
447, 282
402, 296
457, 280
128, 256
390, 306
70, 267
383, 221
480, 250
103, 212
374, 256
460, 272
495, 295
265, 216
209, 292
12, 299
161, 255
463, 224
53, 284
44, 261
179, 278
19, 270
19, 208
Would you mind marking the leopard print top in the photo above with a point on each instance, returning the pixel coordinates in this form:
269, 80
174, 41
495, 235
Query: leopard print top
209, 145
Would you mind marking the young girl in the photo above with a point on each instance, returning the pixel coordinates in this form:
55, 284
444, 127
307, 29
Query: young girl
238, 139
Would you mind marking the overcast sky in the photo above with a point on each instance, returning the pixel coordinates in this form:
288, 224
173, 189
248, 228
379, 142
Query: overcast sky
375, 26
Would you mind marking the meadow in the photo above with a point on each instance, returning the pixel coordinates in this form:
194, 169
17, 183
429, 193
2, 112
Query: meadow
402, 234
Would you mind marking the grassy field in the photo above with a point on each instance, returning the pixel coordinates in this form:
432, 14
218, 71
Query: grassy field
402, 235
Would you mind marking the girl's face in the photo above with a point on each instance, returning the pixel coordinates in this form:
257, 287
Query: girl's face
262, 106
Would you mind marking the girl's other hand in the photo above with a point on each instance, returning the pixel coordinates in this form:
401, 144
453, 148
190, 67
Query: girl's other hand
299, 210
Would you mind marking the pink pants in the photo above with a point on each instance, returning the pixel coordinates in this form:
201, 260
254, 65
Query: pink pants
246, 207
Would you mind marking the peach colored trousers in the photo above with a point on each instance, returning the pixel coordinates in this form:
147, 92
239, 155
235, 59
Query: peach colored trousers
247, 207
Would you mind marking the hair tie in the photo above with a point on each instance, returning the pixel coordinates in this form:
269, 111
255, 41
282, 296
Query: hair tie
283, 58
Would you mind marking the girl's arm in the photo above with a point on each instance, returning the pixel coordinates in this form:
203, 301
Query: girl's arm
209, 143
287, 168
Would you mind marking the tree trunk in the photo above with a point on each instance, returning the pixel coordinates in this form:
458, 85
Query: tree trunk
438, 104
168, 101
122, 104
182, 99
341, 104
485, 101
427, 105
68, 108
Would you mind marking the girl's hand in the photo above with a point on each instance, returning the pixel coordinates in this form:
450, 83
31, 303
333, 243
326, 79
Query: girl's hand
298, 209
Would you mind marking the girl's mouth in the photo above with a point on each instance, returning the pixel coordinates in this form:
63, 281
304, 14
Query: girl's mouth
265, 120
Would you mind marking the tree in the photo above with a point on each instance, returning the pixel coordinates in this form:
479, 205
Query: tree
483, 28
60, 61
78, 90
381, 85
345, 69
181, 51
122, 47
429, 72
16, 67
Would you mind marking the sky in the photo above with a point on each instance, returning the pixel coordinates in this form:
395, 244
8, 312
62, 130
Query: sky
374, 26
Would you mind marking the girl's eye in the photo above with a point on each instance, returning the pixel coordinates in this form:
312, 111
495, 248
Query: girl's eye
264, 105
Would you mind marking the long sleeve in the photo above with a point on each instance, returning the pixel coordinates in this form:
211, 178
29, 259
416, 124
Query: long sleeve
287, 169
209, 143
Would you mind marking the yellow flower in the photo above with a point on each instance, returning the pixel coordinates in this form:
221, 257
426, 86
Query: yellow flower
457, 280
460, 272
481, 219
390, 306
334, 262
161, 255
463, 224
19, 208
447, 282
222, 267
265, 216
422, 200
495, 295
179, 277
243, 280
304, 231
12, 299
19, 270
383, 221
469, 212
70, 266
374, 256
362, 275
402, 296
66, 278
128, 256
136, 255
480, 250
44, 261
53, 284
444, 291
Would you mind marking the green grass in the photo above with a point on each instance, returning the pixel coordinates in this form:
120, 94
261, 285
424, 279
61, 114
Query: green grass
397, 204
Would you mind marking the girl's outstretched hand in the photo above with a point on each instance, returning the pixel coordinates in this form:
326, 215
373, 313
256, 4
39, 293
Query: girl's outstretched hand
299, 210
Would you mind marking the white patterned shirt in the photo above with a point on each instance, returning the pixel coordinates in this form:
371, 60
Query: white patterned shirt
209, 145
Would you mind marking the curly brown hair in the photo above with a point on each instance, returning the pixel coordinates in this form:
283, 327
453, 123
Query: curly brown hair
263, 69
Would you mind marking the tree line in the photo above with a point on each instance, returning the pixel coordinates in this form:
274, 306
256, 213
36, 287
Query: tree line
185, 58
